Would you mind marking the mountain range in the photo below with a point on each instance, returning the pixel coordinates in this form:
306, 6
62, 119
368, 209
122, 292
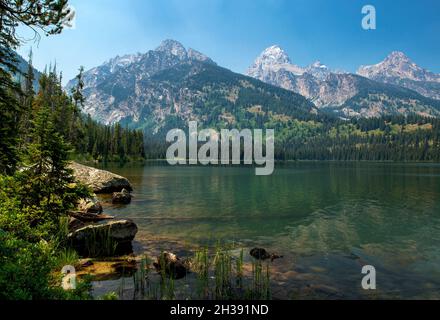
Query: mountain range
398, 69
396, 85
172, 84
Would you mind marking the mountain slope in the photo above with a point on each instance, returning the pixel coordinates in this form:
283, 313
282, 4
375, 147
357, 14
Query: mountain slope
375, 98
398, 69
22, 68
171, 85
345, 93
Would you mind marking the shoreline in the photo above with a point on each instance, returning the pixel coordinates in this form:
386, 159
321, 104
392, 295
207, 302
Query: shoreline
253, 165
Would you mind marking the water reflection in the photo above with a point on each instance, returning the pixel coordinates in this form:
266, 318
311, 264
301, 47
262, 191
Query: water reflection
328, 219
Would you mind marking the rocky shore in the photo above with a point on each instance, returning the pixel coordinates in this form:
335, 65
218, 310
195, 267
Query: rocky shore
91, 231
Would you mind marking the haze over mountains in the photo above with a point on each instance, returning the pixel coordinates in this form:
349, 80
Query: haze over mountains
172, 84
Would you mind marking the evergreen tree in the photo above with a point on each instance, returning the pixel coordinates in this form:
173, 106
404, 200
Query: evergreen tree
44, 15
27, 99
47, 182
9, 119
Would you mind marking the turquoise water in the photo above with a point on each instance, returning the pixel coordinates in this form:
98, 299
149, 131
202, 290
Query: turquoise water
328, 219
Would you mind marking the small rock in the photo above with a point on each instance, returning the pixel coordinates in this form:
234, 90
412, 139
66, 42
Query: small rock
123, 197
126, 268
171, 264
262, 254
259, 254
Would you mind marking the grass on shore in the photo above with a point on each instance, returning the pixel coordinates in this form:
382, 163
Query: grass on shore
217, 275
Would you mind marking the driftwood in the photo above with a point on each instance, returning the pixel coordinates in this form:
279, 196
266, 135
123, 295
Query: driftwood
89, 217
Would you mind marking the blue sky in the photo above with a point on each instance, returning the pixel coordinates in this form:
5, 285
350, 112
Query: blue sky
234, 32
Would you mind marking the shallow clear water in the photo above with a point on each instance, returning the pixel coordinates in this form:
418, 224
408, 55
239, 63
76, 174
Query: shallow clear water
328, 219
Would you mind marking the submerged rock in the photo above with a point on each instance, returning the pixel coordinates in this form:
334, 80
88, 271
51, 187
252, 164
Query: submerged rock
170, 264
123, 197
100, 181
262, 254
126, 267
100, 238
108, 268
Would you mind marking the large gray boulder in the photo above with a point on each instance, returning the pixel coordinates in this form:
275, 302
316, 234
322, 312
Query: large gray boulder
100, 181
95, 239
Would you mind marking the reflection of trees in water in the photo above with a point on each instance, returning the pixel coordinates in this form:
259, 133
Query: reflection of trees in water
321, 206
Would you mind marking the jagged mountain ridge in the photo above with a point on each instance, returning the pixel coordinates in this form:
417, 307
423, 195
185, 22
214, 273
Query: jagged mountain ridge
341, 91
274, 66
172, 84
146, 90
398, 65
400, 70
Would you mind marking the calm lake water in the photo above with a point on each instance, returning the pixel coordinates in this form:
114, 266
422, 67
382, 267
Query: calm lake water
328, 219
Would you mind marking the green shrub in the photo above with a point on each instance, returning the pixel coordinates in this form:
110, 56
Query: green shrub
25, 269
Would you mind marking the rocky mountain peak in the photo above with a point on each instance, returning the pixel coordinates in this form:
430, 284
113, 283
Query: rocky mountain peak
397, 60
397, 65
123, 61
274, 55
332, 89
318, 70
397, 56
272, 60
196, 55
172, 47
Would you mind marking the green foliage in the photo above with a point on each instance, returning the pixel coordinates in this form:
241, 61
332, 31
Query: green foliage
110, 296
100, 244
66, 257
25, 268
31, 243
46, 188
35, 199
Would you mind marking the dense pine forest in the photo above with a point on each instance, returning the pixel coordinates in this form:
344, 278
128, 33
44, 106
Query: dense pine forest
389, 138
88, 138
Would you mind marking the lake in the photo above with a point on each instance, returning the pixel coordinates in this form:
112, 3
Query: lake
328, 219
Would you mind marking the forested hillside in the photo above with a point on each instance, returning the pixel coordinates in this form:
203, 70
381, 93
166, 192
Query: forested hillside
88, 138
